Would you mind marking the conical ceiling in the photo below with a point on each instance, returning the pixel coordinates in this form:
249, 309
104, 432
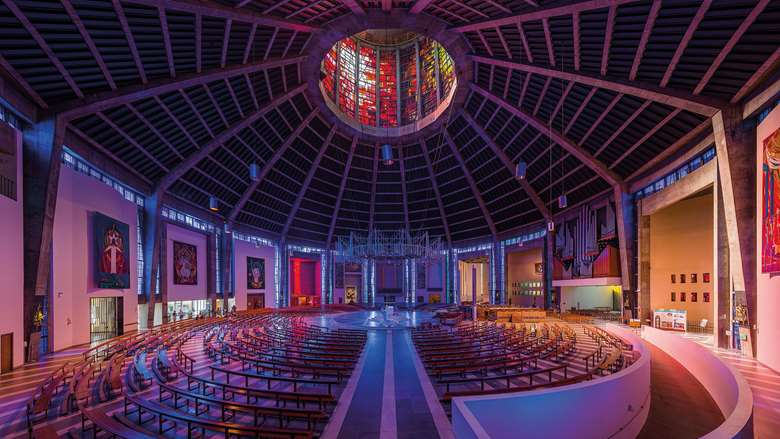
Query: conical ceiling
185, 95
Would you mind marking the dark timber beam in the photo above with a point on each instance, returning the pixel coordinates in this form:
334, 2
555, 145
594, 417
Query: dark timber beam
510, 166
340, 195
210, 8
675, 98
93, 50
195, 158
268, 165
542, 13
125, 95
472, 184
683, 44
569, 145
436, 192
771, 64
305, 186
42, 145
640, 50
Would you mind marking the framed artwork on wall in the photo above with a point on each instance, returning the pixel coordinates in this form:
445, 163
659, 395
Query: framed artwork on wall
682, 297
255, 273
674, 278
694, 278
694, 297
706, 297
705, 277
112, 252
185, 264
674, 296
538, 268
682, 278
770, 207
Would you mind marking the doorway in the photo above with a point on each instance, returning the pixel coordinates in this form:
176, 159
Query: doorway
105, 317
255, 301
350, 295
6, 352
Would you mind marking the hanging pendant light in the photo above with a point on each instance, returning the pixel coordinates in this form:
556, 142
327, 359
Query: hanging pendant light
387, 154
254, 172
563, 201
520, 170
213, 204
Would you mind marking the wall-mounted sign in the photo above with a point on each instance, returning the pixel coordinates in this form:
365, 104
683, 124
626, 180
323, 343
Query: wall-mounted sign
671, 319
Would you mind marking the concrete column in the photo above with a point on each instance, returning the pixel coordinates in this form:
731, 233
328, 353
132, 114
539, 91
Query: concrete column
152, 236
547, 268
644, 311
721, 277
41, 155
165, 271
735, 145
211, 269
625, 209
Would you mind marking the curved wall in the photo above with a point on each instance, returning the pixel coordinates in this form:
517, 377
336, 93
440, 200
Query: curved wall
615, 406
727, 387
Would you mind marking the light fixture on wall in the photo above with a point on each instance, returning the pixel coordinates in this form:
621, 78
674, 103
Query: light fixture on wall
254, 172
213, 204
520, 170
387, 154
563, 201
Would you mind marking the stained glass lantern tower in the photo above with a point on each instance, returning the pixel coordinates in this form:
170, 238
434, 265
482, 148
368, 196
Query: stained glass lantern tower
388, 82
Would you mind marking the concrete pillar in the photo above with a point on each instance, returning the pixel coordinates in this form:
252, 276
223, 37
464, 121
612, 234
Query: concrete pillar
547, 269
211, 269
152, 236
41, 155
625, 210
735, 146
721, 277
644, 311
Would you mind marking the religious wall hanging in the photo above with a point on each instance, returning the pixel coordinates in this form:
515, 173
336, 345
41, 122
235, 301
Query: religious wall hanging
255, 273
770, 207
112, 252
185, 264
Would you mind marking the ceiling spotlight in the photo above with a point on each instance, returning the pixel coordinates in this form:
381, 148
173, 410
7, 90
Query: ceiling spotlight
562, 202
387, 154
520, 170
213, 204
253, 172
227, 229
550, 226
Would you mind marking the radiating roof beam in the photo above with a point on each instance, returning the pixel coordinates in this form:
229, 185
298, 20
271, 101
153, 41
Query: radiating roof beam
543, 13
648, 29
211, 8
683, 44
419, 5
436, 192
305, 186
735, 37
43, 45
106, 100
340, 195
472, 184
509, 165
697, 104
576, 150
267, 166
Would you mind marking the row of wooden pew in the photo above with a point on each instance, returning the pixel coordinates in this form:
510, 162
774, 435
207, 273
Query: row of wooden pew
476, 358
263, 375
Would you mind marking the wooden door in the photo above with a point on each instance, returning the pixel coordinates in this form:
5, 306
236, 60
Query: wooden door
6, 352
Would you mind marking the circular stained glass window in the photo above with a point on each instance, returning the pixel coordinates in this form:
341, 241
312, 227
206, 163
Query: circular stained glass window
387, 82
